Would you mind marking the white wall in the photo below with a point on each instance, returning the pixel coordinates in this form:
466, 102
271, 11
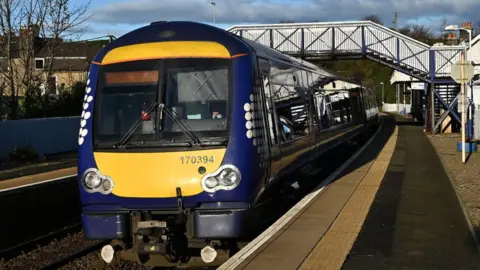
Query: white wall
392, 107
46, 135
473, 54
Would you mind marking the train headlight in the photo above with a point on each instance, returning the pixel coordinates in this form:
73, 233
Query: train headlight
211, 182
226, 177
107, 185
94, 181
229, 177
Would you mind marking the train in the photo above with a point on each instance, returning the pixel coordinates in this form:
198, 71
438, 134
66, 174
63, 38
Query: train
187, 129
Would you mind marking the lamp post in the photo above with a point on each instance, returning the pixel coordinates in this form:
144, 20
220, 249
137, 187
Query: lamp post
213, 11
455, 27
383, 93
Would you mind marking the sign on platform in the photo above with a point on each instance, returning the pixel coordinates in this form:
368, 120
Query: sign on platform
418, 86
456, 71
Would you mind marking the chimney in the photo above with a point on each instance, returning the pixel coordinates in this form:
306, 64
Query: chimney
30, 31
463, 33
451, 39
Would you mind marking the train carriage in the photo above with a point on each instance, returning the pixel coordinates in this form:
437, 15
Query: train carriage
186, 128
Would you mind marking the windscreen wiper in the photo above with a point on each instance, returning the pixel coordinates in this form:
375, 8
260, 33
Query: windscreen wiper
184, 128
134, 127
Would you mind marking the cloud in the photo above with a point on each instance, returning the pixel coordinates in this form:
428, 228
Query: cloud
270, 11
121, 17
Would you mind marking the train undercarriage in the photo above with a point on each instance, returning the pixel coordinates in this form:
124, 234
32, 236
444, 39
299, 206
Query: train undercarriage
168, 238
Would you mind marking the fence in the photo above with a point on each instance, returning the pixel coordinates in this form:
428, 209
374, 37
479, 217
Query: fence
46, 135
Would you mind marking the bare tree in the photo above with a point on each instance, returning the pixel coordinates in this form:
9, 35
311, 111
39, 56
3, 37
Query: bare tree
33, 16
27, 26
9, 19
419, 32
373, 18
62, 21
476, 29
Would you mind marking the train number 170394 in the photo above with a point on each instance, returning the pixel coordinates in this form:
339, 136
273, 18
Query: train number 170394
196, 159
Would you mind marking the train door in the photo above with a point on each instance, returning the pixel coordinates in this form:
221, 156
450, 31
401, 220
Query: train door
321, 119
292, 108
313, 119
271, 120
355, 103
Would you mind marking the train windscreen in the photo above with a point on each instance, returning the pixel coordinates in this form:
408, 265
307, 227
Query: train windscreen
167, 99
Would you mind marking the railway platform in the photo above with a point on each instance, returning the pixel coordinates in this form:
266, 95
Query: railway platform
392, 206
35, 179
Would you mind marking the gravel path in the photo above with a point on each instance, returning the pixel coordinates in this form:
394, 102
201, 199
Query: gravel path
466, 177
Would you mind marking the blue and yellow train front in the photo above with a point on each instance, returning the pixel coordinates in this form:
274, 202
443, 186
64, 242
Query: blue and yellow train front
166, 154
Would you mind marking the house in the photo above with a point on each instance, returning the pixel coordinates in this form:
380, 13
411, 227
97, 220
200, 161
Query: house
473, 55
448, 92
36, 58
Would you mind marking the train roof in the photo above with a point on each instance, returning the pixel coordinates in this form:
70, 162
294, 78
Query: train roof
193, 31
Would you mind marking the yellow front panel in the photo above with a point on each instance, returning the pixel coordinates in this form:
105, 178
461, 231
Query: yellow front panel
157, 175
167, 49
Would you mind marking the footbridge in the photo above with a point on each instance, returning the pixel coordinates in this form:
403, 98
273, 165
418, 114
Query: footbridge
362, 39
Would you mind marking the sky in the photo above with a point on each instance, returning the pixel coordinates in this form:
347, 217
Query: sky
117, 17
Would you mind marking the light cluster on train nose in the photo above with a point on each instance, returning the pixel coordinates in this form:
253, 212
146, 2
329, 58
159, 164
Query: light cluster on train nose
226, 177
94, 181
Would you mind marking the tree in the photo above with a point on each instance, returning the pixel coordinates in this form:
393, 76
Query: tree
373, 18
420, 33
25, 25
8, 19
287, 21
476, 29
61, 21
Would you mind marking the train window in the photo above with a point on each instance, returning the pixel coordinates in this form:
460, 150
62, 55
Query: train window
314, 77
291, 102
323, 112
310, 79
123, 99
337, 109
304, 76
355, 105
197, 91
273, 131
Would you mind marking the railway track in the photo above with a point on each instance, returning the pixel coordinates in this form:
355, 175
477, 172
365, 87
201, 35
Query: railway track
66, 260
49, 251
31, 244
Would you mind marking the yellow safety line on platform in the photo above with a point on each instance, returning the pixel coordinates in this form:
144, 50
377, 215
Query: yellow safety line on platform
331, 251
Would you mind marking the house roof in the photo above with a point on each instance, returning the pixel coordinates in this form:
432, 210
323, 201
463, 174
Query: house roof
72, 56
68, 56
73, 49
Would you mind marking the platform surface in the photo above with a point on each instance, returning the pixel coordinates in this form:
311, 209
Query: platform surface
33, 179
392, 208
